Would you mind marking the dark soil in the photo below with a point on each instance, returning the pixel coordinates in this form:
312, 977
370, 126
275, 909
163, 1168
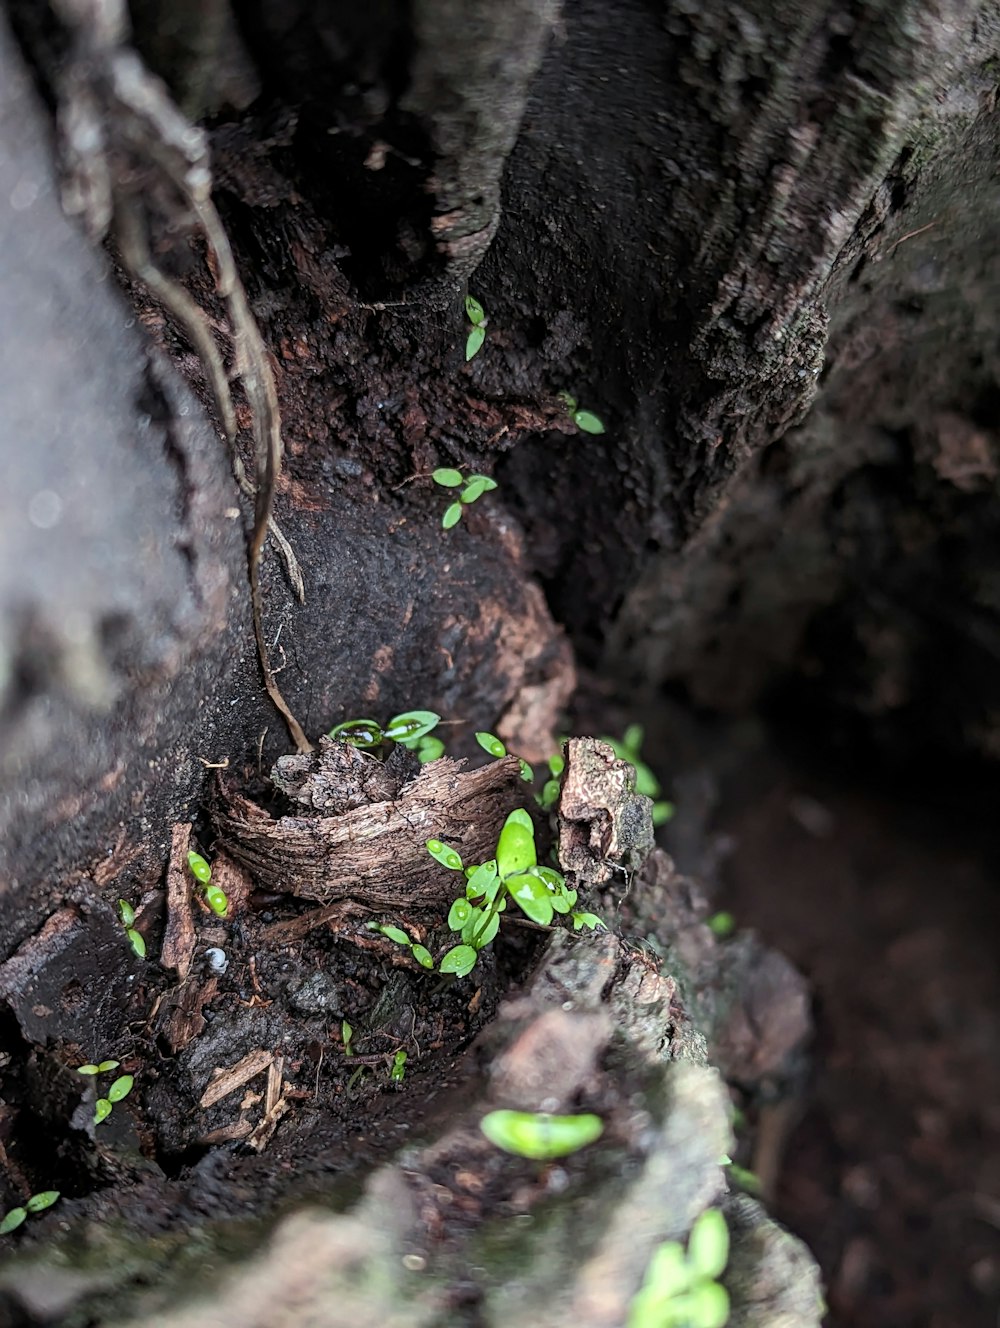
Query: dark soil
884, 892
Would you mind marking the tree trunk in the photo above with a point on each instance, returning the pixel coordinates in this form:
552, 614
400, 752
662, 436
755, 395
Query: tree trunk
757, 243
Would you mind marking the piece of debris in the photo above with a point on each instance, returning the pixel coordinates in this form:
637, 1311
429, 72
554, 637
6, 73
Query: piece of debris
179, 937
226, 1081
374, 851
604, 824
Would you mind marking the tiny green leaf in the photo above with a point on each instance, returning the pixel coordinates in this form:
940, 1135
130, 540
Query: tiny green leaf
102, 1110
708, 1305
587, 421
412, 724
120, 1088
667, 1275
516, 845
532, 897
481, 879
217, 900
474, 310
447, 477
362, 733
708, 1244
474, 341
445, 855
722, 924
662, 812
398, 1072
137, 942
395, 934
527, 774
452, 516
88, 1069
105, 1066
430, 749
556, 881
549, 795
460, 960
564, 901
632, 738
492, 744
13, 1220
126, 912
569, 401
484, 480
346, 1035
39, 1202
422, 955
472, 491
200, 869
645, 781
556, 764
539, 1136
590, 920
459, 914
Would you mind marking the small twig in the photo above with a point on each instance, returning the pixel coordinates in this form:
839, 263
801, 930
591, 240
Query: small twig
910, 234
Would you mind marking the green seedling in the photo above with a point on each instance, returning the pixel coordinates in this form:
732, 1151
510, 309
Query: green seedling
583, 419
398, 1072
36, 1204
491, 743
477, 317
120, 1089
627, 748
680, 1288
347, 1037
127, 914
472, 486
549, 795
215, 897
513, 874
420, 953
199, 868
538, 1135
590, 920
410, 729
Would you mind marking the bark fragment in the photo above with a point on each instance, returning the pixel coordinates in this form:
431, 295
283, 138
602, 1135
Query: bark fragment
375, 852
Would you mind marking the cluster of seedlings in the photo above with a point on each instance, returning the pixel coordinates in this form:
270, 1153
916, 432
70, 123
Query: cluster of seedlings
474, 486
513, 874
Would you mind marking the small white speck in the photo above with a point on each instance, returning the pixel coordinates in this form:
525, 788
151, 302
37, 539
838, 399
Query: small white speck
414, 1263
218, 961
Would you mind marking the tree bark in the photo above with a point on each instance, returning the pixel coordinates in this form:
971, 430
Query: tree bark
758, 243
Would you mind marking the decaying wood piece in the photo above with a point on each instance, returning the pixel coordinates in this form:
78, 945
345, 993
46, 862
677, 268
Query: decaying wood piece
604, 824
226, 1081
179, 938
186, 1020
373, 847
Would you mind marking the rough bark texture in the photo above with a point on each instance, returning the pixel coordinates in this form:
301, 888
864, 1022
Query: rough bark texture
758, 241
